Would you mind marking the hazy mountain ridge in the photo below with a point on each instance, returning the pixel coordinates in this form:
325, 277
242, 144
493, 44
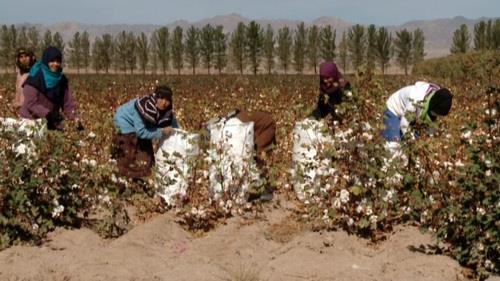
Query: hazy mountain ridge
438, 33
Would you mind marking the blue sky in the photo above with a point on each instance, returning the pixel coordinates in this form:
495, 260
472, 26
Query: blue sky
380, 12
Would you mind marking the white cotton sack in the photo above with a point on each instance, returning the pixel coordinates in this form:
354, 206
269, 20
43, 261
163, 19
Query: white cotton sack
232, 170
309, 139
174, 161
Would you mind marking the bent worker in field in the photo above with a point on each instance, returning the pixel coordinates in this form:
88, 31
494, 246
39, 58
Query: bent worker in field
24, 61
264, 137
426, 100
332, 87
264, 128
138, 122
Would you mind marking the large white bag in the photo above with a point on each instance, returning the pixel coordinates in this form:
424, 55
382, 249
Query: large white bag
174, 160
309, 139
232, 170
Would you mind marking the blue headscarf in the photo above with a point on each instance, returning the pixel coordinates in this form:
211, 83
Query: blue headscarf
52, 84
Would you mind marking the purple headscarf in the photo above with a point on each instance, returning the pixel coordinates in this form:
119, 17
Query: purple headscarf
329, 69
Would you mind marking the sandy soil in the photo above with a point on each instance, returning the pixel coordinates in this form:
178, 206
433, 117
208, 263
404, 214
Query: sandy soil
273, 248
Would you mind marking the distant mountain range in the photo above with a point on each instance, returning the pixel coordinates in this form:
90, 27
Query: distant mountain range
438, 33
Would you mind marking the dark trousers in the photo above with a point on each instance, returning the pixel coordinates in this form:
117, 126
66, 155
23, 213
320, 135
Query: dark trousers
134, 156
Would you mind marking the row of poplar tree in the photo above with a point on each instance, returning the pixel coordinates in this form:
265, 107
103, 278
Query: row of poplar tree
486, 37
248, 47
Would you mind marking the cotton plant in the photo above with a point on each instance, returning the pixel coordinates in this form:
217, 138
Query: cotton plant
25, 131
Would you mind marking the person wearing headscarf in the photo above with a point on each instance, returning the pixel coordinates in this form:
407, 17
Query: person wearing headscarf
46, 91
426, 100
138, 122
24, 61
331, 86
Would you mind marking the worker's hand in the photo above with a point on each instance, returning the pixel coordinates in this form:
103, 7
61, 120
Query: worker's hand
167, 131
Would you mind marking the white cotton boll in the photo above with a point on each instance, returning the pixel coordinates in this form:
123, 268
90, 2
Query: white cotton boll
373, 219
487, 163
350, 222
368, 136
447, 164
466, 135
489, 265
388, 195
369, 211
344, 196
106, 199
493, 112
488, 173
481, 211
451, 217
367, 126
396, 178
359, 209
423, 217
57, 211
93, 163
336, 203
459, 163
91, 135
21, 149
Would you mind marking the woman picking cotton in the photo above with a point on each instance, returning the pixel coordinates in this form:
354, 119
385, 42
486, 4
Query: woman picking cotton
427, 101
332, 86
24, 61
138, 122
46, 91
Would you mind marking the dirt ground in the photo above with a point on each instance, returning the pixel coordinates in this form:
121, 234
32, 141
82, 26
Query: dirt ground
272, 248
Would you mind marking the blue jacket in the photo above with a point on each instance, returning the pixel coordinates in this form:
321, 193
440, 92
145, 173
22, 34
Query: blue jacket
127, 120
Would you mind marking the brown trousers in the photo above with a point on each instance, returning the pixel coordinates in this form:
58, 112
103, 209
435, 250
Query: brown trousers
264, 127
134, 156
